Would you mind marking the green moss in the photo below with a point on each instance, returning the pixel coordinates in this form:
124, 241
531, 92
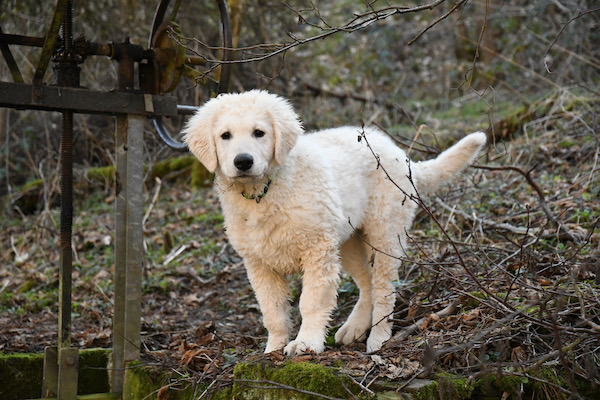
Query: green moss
493, 385
161, 169
32, 185
200, 175
210, 218
454, 387
93, 371
588, 390
251, 380
428, 392
29, 195
567, 143
102, 175
21, 374
144, 382
545, 386
330, 339
447, 387
141, 382
390, 396
165, 167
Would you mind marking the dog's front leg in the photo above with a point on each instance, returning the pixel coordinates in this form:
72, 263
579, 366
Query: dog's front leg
319, 293
272, 292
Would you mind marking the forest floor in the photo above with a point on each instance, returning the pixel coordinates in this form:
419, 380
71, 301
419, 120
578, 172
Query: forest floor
502, 274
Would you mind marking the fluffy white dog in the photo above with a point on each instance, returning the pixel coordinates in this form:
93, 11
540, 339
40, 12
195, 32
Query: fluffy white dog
293, 202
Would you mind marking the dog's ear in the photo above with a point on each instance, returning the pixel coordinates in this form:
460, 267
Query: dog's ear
199, 135
286, 126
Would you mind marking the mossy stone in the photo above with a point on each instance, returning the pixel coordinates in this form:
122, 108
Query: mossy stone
21, 374
93, 371
310, 378
145, 382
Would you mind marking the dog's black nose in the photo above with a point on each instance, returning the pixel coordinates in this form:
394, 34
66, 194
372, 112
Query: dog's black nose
243, 161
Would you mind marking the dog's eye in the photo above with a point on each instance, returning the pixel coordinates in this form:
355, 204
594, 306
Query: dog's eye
258, 133
226, 136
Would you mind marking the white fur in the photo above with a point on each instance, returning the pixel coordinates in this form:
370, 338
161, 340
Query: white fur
324, 186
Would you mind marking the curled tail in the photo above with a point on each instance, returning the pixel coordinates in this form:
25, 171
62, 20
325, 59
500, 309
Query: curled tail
430, 174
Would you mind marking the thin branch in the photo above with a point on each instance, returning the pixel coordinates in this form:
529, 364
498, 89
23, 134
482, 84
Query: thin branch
154, 200
541, 196
554, 354
437, 21
477, 47
359, 22
473, 219
409, 330
579, 15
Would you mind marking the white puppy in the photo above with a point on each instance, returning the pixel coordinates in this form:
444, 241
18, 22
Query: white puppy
293, 201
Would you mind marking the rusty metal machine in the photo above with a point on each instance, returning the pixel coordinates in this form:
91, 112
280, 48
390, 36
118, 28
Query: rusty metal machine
159, 66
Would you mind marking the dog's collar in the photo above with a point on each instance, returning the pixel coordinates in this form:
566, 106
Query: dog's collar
258, 197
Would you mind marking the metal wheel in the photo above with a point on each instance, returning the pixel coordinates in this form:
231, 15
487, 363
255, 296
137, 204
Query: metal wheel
173, 63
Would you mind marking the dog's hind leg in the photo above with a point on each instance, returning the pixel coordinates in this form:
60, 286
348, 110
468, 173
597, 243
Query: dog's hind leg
355, 262
385, 273
388, 237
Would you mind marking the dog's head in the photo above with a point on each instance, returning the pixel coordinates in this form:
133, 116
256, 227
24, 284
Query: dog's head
243, 134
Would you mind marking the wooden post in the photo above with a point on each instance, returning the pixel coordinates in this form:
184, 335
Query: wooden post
129, 253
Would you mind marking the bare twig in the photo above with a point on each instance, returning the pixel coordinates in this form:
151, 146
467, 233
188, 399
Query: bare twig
437, 21
579, 15
357, 23
532, 183
474, 219
513, 62
553, 354
479, 41
409, 330
154, 200
362, 387
540, 193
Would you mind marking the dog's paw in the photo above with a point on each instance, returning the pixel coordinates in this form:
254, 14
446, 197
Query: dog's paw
351, 333
299, 347
379, 335
274, 344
